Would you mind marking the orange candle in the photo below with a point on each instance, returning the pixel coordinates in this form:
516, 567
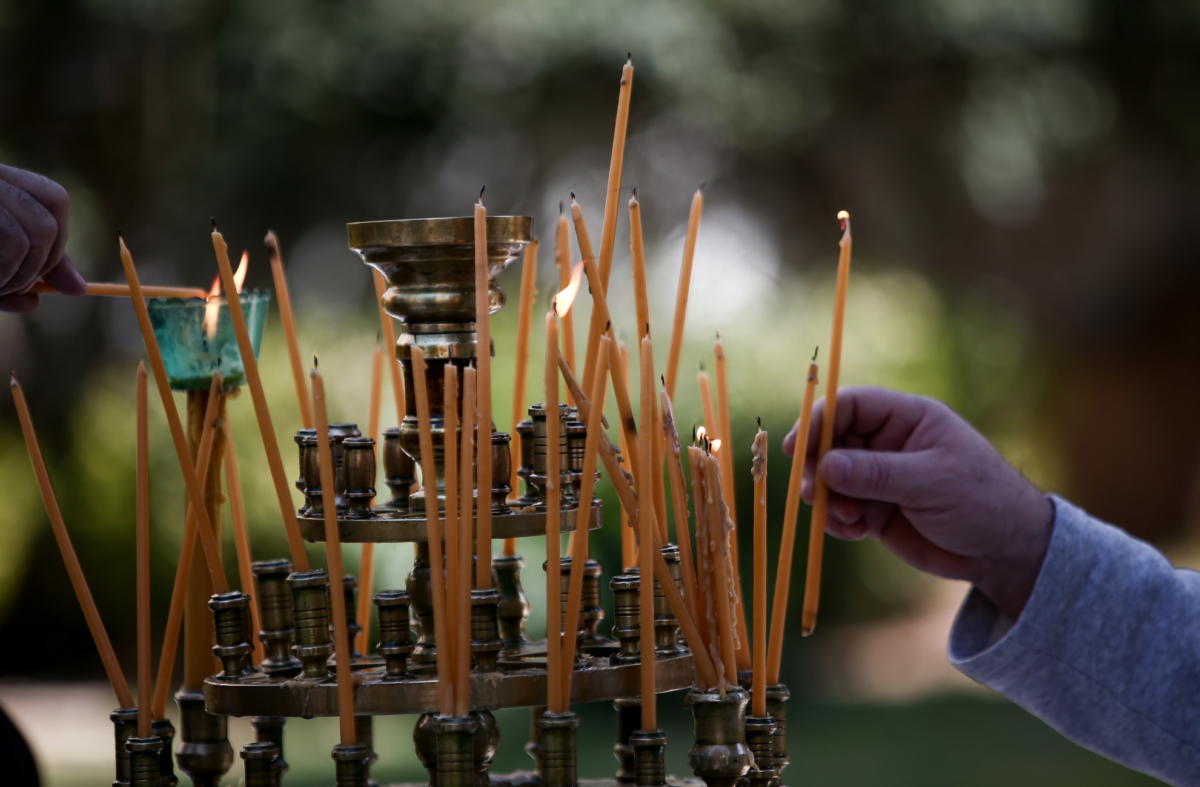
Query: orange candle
791, 513
366, 570
241, 537
618, 363
758, 469
187, 551
637, 251
387, 329
83, 593
620, 375
646, 548
616, 163
262, 411
524, 319
333, 557
562, 258
706, 401
678, 497
483, 363
579, 552
289, 327
433, 526
195, 493
719, 532
681, 292
142, 536
123, 290
728, 492
554, 699
466, 489
816, 544
454, 579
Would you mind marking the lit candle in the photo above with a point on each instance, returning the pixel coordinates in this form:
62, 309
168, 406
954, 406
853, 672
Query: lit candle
562, 257
524, 319
720, 529
266, 428
333, 557
791, 513
706, 400
483, 361
289, 327
681, 293
728, 492
108, 657
812, 578
758, 468
433, 526
123, 290
646, 550
678, 497
554, 699
142, 539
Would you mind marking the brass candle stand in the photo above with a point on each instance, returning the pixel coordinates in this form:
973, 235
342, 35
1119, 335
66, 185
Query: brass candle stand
428, 266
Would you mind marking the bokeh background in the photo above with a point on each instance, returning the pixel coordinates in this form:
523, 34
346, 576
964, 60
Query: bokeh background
1023, 180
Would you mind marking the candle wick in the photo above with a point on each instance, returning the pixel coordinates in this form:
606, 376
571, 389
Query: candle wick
816, 350
635, 193
481, 190
560, 206
316, 361
213, 219
572, 196
703, 185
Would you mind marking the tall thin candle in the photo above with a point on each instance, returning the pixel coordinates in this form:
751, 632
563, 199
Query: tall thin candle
142, 536
483, 363
453, 569
524, 319
108, 657
684, 287
266, 428
791, 515
366, 570
466, 489
816, 544
195, 493
333, 558
124, 291
646, 551
562, 259
600, 321
187, 551
729, 493
433, 524
289, 327
683, 538
554, 666
616, 163
758, 469
241, 536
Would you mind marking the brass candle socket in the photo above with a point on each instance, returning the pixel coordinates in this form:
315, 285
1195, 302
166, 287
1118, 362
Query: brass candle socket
359, 455
164, 730
429, 265
557, 760
485, 629
353, 627
275, 607
310, 604
629, 718
777, 699
145, 757
309, 482
353, 763
501, 471
400, 472
564, 567
719, 753
454, 742
576, 434
525, 432
514, 608
124, 725
759, 733
263, 764
338, 433
204, 751
666, 627
536, 479
593, 642
420, 593
649, 755
269, 730
626, 626
231, 621
395, 635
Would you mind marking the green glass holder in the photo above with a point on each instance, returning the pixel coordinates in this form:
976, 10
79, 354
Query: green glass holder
190, 353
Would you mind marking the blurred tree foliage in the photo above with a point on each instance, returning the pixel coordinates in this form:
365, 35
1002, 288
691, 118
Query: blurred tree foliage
1022, 177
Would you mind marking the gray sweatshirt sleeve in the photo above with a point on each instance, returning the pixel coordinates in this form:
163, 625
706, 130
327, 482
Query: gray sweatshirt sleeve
1106, 651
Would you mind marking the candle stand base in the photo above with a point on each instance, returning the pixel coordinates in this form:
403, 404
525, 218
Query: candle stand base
759, 731
719, 754
455, 747
204, 751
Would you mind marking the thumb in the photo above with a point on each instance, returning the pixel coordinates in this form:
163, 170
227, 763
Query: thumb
889, 476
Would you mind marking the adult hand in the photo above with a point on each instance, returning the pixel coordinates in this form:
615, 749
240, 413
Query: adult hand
910, 472
33, 231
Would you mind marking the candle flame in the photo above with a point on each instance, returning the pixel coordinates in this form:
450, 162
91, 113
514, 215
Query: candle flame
566, 297
213, 306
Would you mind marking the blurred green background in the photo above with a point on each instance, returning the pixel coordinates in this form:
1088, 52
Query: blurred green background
1022, 177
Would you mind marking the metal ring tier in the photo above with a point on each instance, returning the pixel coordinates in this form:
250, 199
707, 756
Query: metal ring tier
389, 526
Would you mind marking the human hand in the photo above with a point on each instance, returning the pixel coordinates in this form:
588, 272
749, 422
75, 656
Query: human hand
33, 231
910, 472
